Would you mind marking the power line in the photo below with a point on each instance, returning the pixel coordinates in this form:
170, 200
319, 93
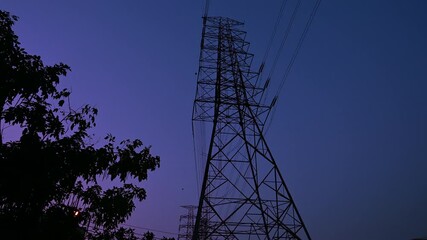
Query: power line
300, 42
282, 44
273, 34
285, 38
195, 159
294, 56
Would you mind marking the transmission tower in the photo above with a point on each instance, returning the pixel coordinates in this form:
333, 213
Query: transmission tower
186, 223
243, 194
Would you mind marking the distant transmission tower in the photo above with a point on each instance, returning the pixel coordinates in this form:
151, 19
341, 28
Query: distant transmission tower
243, 195
186, 223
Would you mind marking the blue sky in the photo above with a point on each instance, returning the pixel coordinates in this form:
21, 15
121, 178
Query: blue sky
350, 128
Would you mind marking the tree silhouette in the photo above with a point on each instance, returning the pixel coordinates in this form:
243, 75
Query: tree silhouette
49, 178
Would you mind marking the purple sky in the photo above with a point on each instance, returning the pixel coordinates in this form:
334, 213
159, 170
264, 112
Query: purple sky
350, 128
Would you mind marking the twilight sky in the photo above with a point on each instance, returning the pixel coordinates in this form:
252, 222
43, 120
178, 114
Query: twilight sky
350, 128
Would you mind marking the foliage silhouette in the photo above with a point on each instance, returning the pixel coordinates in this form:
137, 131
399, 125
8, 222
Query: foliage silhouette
150, 236
49, 177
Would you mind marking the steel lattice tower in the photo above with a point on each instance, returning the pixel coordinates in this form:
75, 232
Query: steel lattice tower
186, 223
243, 195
